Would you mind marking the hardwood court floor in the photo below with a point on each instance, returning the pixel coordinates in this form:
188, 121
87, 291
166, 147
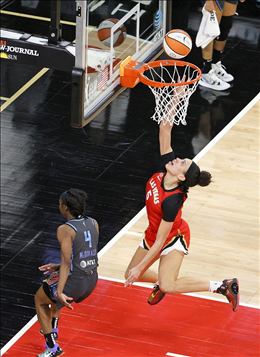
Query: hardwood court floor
223, 217
111, 158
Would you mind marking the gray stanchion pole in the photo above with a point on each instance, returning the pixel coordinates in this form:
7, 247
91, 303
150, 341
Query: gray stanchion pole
55, 27
78, 72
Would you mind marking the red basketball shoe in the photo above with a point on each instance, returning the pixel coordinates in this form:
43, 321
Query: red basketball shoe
230, 289
156, 295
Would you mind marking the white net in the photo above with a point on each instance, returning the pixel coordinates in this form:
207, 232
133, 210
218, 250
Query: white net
171, 102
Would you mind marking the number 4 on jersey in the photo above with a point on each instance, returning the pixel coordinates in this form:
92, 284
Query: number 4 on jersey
87, 235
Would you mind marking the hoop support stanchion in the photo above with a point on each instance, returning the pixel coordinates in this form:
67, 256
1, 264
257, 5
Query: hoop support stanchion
77, 96
55, 26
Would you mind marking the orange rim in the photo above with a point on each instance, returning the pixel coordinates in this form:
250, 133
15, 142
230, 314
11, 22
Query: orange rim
166, 63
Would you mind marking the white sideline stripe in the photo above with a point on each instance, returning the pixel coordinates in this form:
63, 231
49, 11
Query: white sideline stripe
133, 221
121, 232
149, 286
225, 301
18, 335
227, 128
175, 355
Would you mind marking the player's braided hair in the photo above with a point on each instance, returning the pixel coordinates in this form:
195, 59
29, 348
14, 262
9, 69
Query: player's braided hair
75, 200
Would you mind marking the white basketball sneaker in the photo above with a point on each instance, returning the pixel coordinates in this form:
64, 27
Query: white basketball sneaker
221, 72
210, 80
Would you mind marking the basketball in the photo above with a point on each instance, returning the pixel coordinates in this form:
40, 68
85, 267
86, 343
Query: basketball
104, 33
177, 44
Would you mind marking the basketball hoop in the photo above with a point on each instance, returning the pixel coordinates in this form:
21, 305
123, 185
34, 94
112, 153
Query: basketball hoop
172, 83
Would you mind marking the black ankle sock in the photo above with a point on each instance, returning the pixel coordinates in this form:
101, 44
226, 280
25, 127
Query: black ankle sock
50, 340
206, 66
216, 56
55, 321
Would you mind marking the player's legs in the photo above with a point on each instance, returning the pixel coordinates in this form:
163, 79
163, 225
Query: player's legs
44, 313
229, 11
168, 276
149, 276
226, 23
230, 7
207, 52
209, 79
55, 312
170, 283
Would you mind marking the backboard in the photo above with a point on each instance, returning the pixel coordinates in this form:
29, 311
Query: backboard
96, 76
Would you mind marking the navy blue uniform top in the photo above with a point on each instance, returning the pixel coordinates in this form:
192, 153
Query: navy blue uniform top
84, 247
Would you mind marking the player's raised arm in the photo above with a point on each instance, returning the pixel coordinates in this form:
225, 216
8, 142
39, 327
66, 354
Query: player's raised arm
166, 124
165, 132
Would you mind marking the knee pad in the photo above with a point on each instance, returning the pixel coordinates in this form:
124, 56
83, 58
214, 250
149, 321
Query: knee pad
225, 27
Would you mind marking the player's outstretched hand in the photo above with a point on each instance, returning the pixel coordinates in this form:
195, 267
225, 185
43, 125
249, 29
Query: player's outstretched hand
133, 276
49, 268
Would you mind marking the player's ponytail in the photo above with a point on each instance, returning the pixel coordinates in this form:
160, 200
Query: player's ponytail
204, 178
196, 177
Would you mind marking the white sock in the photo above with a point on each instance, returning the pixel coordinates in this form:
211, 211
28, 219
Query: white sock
214, 285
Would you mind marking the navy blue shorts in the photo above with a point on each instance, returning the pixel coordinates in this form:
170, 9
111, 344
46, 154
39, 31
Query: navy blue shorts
78, 286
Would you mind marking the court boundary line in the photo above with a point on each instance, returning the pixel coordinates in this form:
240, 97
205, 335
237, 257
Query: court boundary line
18, 335
175, 355
33, 17
196, 159
142, 212
143, 285
23, 89
227, 128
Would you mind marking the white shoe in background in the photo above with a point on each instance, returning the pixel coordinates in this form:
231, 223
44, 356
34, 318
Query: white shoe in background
221, 72
210, 80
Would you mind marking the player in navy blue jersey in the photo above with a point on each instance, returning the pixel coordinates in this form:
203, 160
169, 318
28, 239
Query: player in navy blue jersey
75, 278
